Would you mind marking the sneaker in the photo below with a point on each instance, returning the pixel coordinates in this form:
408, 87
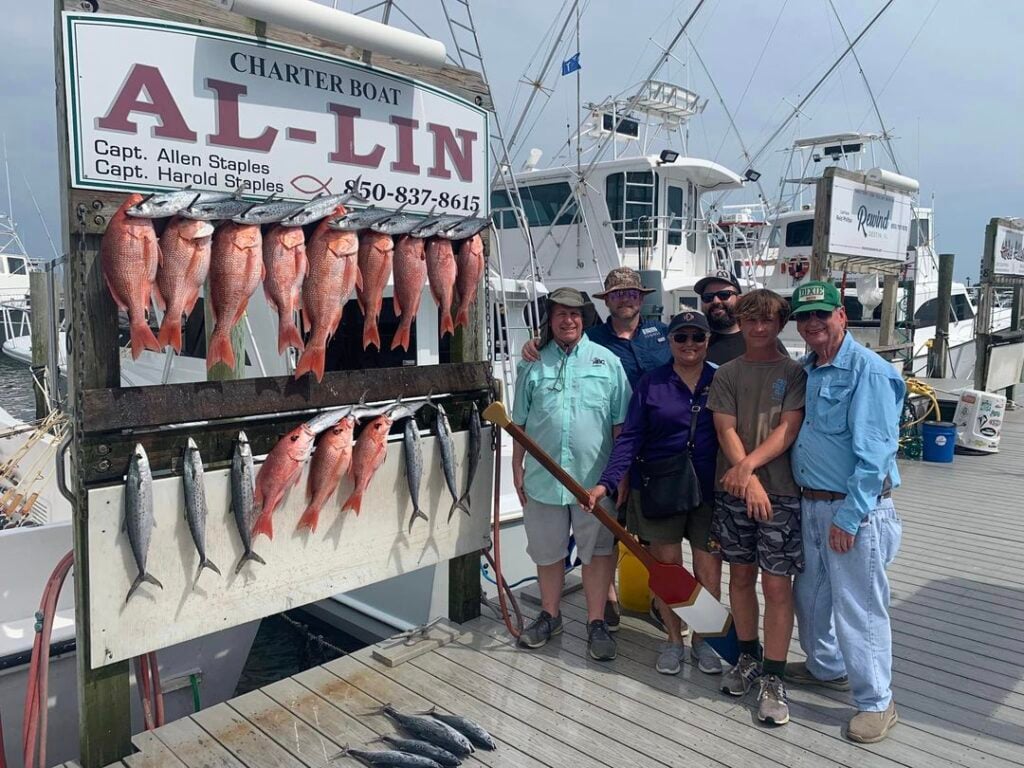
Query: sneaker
870, 727
708, 661
798, 674
540, 630
670, 659
612, 615
737, 681
654, 617
772, 702
599, 641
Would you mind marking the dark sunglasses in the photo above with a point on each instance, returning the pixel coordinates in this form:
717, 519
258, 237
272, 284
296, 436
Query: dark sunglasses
623, 294
698, 337
707, 298
818, 314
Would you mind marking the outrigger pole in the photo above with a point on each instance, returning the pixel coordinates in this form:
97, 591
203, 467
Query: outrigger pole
672, 583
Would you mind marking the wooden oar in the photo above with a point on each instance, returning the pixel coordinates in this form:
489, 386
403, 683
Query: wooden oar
672, 583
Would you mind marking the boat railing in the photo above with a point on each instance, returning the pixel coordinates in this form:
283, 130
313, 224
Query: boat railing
15, 315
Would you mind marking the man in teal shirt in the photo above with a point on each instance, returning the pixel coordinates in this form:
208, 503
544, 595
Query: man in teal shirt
572, 402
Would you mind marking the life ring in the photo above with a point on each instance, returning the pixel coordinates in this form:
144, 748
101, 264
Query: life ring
798, 268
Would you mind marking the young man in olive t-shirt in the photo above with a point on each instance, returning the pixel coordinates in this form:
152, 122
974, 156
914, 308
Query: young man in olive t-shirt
758, 402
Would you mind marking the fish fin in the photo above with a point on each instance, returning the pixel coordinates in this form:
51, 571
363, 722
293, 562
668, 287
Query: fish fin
190, 301
313, 359
309, 519
446, 323
402, 336
264, 524
464, 502
170, 333
353, 502
270, 300
143, 338
288, 336
138, 583
250, 555
462, 317
371, 335
396, 305
205, 563
220, 351
158, 298
417, 513
359, 278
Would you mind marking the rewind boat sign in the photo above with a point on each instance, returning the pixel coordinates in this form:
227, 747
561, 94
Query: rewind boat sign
157, 105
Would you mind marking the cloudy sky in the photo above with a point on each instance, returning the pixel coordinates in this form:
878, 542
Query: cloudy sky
948, 77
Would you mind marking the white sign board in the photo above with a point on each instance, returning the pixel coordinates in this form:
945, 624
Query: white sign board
347, 551
868, 222
156, 105
1008, 253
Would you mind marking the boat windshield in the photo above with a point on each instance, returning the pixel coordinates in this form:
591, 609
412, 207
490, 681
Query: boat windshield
800, 234
541, 203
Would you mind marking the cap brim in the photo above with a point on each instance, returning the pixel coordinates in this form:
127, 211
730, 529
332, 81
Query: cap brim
602, 294
811, 307
701, 284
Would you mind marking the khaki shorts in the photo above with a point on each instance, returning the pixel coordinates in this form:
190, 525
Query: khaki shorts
547, 532
695, 525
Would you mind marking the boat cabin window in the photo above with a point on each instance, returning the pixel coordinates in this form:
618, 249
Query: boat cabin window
632, 200
800, 234
541, 203
676, 197
962, 307
920, 231
16, 265
927, 314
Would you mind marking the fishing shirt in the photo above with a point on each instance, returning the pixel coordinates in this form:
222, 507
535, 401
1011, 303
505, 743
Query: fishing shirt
568, 404
851, 430
658, 426
645, 351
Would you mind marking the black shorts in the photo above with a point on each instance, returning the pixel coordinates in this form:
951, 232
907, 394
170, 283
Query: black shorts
776, 546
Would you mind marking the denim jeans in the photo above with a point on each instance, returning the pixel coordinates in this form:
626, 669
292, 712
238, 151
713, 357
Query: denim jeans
842, 602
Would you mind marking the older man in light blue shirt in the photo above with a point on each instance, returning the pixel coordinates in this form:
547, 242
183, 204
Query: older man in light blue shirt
571, 402
845, 461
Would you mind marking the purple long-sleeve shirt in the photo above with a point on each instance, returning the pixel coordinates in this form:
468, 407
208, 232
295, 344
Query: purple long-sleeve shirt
658, 425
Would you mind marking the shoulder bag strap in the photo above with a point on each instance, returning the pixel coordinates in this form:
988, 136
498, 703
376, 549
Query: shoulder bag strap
695, 409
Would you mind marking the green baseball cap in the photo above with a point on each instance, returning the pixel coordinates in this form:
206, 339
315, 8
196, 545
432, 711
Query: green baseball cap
815, 295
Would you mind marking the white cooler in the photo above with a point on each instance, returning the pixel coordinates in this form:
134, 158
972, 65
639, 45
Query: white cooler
979, 420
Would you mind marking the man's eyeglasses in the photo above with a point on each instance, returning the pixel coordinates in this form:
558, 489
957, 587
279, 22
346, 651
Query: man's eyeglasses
707, 298
817, 314
624, 294
698, 337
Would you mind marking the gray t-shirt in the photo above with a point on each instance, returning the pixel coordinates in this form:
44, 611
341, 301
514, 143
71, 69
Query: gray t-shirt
757, 394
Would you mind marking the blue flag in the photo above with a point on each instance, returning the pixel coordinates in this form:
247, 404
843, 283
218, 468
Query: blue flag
571, 64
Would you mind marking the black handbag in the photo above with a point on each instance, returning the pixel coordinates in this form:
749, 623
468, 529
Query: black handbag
669, 487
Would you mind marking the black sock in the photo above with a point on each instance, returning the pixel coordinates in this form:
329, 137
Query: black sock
773, 667
752, 647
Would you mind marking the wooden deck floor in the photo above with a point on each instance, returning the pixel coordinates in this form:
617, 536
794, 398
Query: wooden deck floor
958, 616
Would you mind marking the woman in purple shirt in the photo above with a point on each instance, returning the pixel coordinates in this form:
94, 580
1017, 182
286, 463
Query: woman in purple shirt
657, 426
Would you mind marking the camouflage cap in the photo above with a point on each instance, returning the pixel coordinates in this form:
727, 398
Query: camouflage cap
622, 278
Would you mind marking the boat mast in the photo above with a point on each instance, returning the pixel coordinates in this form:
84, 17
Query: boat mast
579, 155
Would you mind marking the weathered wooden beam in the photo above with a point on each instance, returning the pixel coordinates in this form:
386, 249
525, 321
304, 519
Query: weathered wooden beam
40, 337
109, 410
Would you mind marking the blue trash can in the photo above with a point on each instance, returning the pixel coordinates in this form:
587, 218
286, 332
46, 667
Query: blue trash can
939, 440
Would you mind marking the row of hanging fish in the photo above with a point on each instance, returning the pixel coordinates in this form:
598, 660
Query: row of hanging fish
348, 250
256, 496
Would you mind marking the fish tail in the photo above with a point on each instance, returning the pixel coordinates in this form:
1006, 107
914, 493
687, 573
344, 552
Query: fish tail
313, 359
220, 350
138, 583
170, 333
446, 322
288, 336
309, 518
250, 555
370, 333
353, 502
206, 563
143, 338
462, 318
417, 513
464, 502
264, 524
402, 335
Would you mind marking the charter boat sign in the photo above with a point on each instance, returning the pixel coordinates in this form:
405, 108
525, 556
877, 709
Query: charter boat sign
156, 105
868, 221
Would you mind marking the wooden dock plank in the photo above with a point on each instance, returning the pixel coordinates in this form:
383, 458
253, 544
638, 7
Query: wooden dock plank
195, 747
292, 734
342, 725
245, 742
152, 753
397, 685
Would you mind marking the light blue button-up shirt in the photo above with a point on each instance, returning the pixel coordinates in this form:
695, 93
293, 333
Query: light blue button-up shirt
851, 430
568, 403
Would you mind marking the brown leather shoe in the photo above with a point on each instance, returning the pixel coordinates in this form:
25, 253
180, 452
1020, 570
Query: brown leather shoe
871, 727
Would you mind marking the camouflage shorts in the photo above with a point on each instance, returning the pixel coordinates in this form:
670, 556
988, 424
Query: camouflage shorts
776, 546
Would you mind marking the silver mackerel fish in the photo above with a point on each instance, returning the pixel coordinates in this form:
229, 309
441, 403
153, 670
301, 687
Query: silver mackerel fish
243, 492
195, 505
138, 505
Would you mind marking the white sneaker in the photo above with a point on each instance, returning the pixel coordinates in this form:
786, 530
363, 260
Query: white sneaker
670, 659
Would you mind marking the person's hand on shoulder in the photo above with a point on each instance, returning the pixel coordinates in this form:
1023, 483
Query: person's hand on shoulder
531, 350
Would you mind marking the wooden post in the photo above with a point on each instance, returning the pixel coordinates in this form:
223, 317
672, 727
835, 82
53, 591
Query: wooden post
40, 338
1016, 324
983, 321
940, 346
887, 329
819, 244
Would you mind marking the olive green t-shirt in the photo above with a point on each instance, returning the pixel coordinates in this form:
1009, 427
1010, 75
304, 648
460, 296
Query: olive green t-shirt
757, 394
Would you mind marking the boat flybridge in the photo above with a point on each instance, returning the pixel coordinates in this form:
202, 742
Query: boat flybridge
637, 208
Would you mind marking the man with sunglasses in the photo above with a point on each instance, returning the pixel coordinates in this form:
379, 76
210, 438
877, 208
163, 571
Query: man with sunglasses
572, 402
719, 294
845, 461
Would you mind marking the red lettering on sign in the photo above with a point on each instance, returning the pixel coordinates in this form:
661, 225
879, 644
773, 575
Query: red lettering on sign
404, 127
459, 152
143, 78
228, 131
346, 140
